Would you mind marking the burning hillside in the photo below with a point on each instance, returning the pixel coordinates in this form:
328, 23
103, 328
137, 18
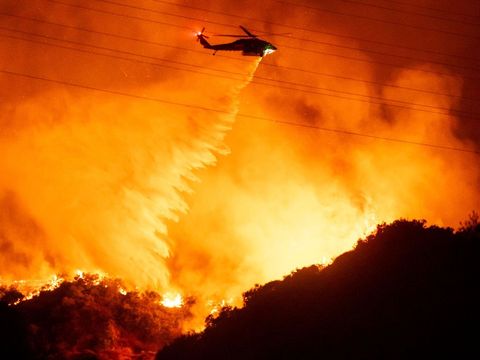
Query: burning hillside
91, 316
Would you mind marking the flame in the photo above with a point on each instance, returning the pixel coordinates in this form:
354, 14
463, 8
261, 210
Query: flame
216, 306
122, 291
79, 274
33, 288
172, 300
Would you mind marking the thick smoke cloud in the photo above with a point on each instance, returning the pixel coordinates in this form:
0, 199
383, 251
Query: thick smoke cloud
89, 177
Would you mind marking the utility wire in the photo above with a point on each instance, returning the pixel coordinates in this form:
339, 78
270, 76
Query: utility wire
353, 133
310, 7
224, 112
251, 19
433, 9
285, 46
397, 46
379, 101
447, 32
382, 7
290, 37
379, 6
116, 14
115, 35
120, 57
222, 71
203, 52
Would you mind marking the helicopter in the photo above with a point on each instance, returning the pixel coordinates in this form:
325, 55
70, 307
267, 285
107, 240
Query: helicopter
250, 46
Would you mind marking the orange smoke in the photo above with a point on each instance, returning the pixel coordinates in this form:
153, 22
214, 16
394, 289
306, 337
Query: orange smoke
90, 177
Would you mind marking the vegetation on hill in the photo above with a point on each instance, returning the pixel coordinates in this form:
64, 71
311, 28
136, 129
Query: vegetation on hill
407, 291
87, 318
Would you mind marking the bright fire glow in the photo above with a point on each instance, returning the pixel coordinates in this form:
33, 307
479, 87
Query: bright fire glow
122, 291
171, 300
32, 289
215, 307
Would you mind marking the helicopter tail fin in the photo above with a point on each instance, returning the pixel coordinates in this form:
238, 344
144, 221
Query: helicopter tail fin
203, 39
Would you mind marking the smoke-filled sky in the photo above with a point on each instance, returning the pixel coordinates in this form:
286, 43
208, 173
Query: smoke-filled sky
122, 152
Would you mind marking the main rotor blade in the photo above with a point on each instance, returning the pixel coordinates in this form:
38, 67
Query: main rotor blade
226, 35
279, 34
247, 32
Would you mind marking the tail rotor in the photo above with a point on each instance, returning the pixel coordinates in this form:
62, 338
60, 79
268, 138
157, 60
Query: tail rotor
201, 36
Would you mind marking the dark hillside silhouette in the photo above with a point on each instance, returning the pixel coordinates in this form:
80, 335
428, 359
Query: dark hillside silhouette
408, 291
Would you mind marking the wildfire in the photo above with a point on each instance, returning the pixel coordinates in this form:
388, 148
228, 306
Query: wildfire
325, 261
122, 291
216, 306
172, 300
32, 288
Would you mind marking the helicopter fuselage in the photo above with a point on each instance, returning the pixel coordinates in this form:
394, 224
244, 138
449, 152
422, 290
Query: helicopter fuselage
249, 46
254, 47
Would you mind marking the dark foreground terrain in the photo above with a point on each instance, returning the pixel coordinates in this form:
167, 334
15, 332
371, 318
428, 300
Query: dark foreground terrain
407, 292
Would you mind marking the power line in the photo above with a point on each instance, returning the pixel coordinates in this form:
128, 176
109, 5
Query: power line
372, 82
290, 37
310, 30
115, 14
380, 101
285, 46
119, 36
234, 58
224, 112
115, 56
310, 7
380, 63
410, 12
377, 20
222, 71
267, 22
397, 46
353, 133
431, 8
